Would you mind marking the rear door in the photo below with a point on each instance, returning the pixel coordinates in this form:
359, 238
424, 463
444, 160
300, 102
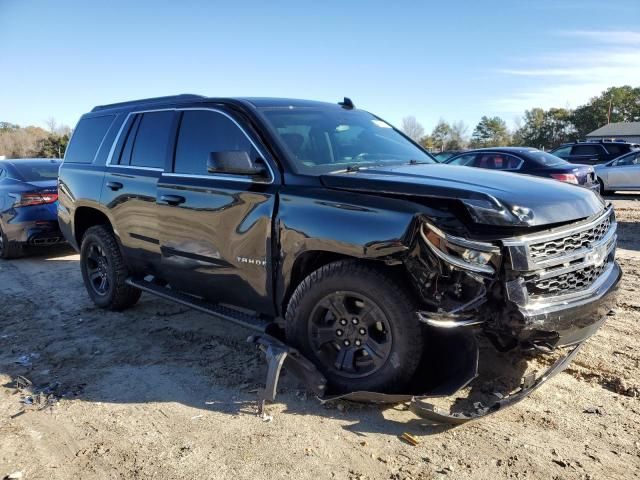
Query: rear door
588, 154
131, 183
216, 229
625, 172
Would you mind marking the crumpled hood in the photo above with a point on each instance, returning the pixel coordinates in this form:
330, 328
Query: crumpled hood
551, 201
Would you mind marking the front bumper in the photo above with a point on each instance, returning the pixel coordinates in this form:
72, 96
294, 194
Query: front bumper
570, 321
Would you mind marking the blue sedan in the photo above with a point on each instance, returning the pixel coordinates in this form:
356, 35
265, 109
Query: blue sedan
529, 161
28, 205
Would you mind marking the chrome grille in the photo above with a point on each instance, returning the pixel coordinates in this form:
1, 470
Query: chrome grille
566, 283
570, 243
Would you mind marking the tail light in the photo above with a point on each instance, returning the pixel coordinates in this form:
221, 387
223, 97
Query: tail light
565, 177
28, 199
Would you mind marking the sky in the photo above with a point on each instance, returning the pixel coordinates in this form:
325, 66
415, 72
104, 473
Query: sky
456, 60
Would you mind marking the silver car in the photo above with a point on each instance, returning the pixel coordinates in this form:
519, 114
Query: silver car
622, 173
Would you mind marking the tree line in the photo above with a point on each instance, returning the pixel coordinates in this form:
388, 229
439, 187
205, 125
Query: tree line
540, 128
34, 142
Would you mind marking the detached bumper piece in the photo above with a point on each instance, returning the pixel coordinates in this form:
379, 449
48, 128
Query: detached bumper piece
529, 385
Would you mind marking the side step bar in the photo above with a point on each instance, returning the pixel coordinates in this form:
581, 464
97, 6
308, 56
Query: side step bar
229, 314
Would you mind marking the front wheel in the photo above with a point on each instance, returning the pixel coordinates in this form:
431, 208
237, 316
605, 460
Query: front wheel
604, 192
358, 326
104, 271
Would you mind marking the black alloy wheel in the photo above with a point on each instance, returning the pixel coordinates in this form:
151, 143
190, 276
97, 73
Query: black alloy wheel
350, 333
97, 266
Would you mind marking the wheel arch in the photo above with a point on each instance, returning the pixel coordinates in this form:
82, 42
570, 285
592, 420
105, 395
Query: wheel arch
86, 217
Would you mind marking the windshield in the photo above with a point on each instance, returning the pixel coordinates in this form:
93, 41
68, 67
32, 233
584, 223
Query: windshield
33, 172
545, 159
322, 140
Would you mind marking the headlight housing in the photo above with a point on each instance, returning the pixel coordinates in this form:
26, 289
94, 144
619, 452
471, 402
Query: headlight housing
491, 212
479, 257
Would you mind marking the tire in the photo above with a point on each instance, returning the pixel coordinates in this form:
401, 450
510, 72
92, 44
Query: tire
391, 339
9, 250
604, 192
104, 271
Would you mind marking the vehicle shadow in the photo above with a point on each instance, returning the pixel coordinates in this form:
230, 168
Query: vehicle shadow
156, 352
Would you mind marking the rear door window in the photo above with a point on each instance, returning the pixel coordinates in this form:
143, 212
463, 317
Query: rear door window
464, 160
498, 161
152, 140
586, 150
87, 138
203, 132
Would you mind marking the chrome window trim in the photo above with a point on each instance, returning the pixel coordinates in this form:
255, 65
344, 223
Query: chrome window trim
227, 177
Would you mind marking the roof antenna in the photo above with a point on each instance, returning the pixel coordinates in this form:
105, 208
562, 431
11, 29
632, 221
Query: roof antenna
347, 103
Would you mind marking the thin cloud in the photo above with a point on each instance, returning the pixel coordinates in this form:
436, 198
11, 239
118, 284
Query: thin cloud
572, 76
606, 36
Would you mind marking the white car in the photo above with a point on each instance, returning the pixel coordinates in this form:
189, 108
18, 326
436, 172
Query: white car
622, 173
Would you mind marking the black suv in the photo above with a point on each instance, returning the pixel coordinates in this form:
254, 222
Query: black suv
592, 153
329, 227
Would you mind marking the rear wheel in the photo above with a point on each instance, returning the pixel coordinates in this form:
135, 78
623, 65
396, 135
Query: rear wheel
9, 250
104, 271
358, 326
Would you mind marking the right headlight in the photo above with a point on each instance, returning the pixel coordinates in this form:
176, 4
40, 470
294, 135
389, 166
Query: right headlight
479, 257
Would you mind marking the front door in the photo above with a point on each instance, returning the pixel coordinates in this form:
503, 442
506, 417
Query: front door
216, 229
625, 172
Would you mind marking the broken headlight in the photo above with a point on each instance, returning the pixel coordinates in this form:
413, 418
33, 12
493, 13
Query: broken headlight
459, 252
492, 212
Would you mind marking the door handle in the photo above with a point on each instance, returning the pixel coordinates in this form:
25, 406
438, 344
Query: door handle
114, 185
172, 199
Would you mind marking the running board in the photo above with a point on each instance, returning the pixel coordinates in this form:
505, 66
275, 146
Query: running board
225, 313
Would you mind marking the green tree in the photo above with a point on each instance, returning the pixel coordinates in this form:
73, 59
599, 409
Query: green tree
490, 132
545, 128
440, 135
623, 101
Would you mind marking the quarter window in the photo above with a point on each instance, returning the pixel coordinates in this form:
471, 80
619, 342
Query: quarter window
203, 132
87, 139
152, 139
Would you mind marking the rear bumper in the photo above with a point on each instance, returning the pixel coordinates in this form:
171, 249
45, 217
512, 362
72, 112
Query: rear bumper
38, 233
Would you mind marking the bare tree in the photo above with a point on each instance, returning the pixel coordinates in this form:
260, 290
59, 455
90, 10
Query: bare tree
51, 124
412, 128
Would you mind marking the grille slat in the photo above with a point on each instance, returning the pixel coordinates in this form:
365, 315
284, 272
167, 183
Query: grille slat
570, 243
568, 282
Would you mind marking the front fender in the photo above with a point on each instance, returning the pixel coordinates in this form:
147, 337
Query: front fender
341, 223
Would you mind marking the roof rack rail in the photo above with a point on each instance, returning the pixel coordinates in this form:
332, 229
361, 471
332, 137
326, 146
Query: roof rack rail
182, 96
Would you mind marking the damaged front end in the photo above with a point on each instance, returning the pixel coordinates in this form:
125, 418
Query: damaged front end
504, 316
523, 296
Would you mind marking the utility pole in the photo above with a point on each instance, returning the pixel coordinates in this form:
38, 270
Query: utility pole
609, 112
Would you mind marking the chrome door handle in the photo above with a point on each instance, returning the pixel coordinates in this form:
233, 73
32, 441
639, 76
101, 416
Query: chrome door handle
172, 199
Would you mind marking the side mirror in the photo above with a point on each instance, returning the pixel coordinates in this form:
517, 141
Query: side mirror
235, 162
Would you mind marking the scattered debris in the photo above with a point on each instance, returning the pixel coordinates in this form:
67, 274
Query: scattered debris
595, 410
27, 360
410, 439
14, 476
195, 417
265, 417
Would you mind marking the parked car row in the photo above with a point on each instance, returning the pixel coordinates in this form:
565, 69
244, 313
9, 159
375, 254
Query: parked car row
530, 161
28, 205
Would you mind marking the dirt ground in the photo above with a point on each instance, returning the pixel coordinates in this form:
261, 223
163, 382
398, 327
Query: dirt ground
161, 391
